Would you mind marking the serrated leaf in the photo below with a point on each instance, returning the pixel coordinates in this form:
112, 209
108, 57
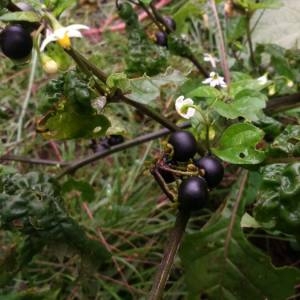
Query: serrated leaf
224, 265
278, 26
28, 16
69, 122
237, 144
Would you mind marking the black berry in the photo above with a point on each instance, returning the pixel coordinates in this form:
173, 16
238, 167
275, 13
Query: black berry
170, 22
161, 38
192, 194
115, 139
213, 168
16, 42
184, 145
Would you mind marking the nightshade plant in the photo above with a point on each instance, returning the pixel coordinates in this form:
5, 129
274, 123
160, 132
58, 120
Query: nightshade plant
227, 165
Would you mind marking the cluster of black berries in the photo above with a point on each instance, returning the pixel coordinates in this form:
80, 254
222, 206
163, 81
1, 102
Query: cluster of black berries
161, 37
16, 42
196, 176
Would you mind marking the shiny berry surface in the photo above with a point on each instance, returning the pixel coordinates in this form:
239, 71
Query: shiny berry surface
213, 168
184, 145
16, 42
192, 194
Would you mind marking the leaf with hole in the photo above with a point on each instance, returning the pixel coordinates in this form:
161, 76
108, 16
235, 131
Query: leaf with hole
238, 143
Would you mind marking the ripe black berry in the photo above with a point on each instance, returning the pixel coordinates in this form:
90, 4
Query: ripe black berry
161, 38
16, 42
213, 168
115, 139
192, 194
170, 22
184, 145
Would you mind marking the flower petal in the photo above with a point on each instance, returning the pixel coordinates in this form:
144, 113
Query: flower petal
50, 38
77, 27
74, 33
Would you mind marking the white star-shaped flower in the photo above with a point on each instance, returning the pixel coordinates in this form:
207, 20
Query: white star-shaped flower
215, 80
263, 79
63, 34
210, 58
183, 107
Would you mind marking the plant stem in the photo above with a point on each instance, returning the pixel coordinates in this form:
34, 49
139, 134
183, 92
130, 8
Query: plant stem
137, 141
151, 113
171, 249
282, 103
88, 67
249, 39
221, 43
27, 96
36, 161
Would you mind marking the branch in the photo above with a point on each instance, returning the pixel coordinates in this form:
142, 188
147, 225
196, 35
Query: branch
171, 249
282, 103
137, 141
36, 161
222, 50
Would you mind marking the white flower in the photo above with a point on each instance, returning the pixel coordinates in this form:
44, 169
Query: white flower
213, 60
63, 34
183, 107
215, 80
263, 79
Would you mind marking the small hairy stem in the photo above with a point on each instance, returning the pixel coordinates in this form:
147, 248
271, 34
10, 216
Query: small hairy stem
151, 113
81, 60
171, 249
137, 141
153, 18
221, 44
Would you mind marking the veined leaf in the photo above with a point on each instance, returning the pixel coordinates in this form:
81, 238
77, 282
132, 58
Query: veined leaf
28, 16
238, 144
221, 264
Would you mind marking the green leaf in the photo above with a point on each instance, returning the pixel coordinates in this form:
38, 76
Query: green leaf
220, 263
238, 144
59, 6
246, 103
71, 121
206, 92
145, 89
87, 192
278, 206
28, 16
287, 143
118, 81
